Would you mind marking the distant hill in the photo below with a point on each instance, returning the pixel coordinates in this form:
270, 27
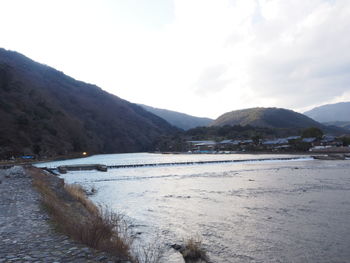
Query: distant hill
43, 111
331, 112
341, 124
178, 119
266, 117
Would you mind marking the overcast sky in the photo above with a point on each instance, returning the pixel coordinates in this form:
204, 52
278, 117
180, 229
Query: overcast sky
201, 57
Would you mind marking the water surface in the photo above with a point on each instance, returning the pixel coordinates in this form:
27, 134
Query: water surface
271, 211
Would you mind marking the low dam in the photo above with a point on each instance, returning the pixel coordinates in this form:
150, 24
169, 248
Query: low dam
100, 167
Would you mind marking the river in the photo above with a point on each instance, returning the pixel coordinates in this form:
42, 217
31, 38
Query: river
248, 211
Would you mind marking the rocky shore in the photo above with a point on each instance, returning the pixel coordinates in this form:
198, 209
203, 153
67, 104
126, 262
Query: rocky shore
26, 234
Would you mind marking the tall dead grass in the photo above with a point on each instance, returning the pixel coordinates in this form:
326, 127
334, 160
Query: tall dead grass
82, 220
78, 192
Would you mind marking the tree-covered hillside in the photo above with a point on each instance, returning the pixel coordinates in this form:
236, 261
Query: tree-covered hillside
266, 117
45, 112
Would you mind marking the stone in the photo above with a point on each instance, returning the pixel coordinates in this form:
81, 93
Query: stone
176, 246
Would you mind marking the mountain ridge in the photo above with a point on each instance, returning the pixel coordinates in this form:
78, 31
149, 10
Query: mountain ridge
43, 111
178, 119
331, 112
266, 117
340, 124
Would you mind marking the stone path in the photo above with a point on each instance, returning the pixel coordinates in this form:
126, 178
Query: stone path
25, 232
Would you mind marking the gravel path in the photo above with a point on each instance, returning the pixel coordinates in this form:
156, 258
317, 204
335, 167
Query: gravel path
25, 232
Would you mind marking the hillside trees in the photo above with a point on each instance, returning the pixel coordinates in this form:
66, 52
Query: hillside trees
312, 132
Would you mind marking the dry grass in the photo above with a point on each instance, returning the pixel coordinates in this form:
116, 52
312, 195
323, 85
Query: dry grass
152, 252
193, 251
79, 218
79, 194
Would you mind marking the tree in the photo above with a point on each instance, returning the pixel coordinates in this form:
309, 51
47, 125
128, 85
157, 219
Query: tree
256, 139
312, 132
345, 141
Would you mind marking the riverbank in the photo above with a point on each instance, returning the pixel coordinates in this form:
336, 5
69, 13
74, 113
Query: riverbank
26, 233
20, 161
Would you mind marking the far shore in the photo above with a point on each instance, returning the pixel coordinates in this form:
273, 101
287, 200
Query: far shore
18, 161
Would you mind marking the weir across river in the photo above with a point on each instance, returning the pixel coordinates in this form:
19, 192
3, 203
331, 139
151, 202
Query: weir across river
104, 168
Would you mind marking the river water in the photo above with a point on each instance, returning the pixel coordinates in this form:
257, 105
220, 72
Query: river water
255, 211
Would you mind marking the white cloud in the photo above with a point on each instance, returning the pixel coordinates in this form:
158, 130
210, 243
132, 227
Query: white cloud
202, 57
308, 62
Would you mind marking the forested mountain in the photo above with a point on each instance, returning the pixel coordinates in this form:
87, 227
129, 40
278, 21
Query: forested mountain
266, 117
45, 112
178, 119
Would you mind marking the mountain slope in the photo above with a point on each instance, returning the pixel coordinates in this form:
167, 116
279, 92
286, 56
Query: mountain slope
43, 111
341, 124
178, 119
331, 112
266, 117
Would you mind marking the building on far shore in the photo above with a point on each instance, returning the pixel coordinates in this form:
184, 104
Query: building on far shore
202, 146
291, 143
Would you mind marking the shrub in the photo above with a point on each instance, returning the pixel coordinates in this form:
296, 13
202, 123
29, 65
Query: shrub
152, 252
193, 251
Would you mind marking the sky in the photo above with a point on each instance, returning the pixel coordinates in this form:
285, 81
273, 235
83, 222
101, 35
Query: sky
200, 57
